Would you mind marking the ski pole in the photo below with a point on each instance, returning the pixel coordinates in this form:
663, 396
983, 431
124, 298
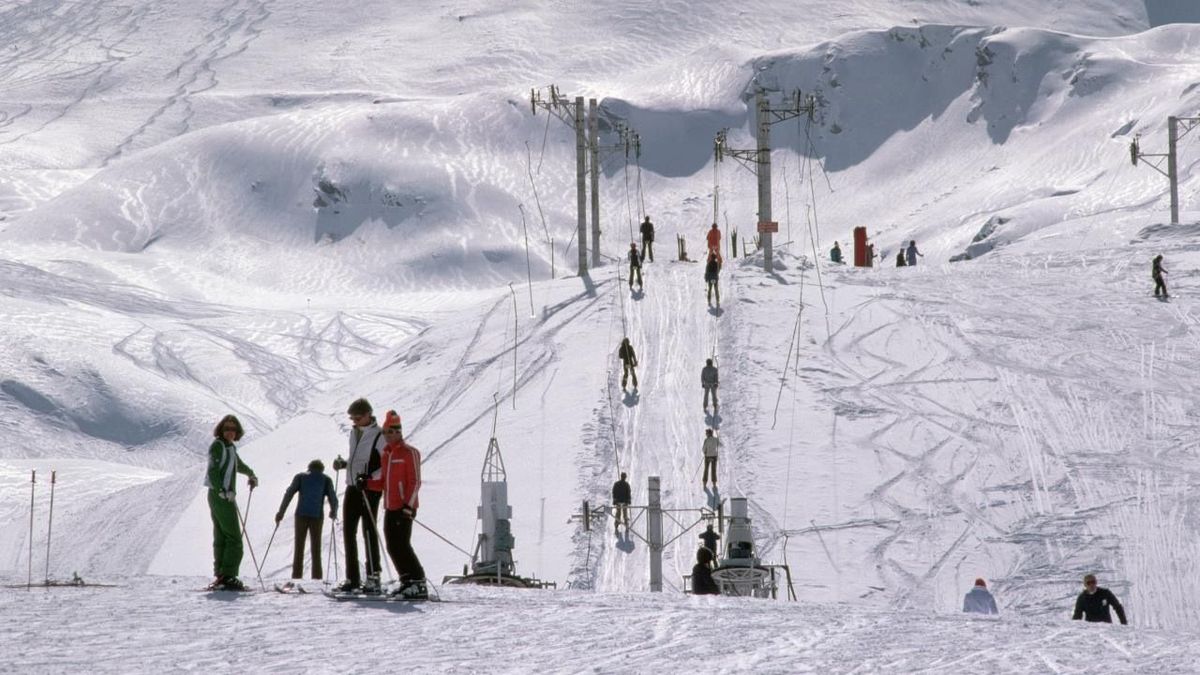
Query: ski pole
333, 528
50, 527
371, 517
246, 535
32, 484
269, 542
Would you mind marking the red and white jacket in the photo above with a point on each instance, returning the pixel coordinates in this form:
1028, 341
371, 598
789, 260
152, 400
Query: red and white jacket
401, 474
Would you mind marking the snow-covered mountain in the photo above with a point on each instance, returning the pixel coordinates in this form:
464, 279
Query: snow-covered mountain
272, 209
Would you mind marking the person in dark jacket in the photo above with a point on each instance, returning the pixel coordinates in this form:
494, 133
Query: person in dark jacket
702, 579
647, 239
313, 487
1156, 273
709, 381
979, 599
900, 258
1093, 603
913, 253
835, 253
629, 362
635, 266
360, 503
710, 539
622, 497
712, 271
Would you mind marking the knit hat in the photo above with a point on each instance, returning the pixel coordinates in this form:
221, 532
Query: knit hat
980, 582
391, 420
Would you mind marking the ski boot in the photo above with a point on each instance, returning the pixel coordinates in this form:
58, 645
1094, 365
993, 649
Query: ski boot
371, 585
346, 586
412, 590
232, 584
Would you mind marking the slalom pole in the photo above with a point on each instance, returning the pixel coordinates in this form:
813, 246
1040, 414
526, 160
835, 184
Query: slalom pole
32, 485
246, 535
50, 527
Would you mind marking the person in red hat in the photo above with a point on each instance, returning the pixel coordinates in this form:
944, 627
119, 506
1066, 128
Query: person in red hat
979, 600
401, 468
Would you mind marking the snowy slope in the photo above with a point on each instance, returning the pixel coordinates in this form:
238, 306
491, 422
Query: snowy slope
274, 209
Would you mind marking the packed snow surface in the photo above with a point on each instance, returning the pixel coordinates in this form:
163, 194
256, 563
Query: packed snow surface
271, 209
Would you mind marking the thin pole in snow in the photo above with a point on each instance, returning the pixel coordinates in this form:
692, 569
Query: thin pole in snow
333, 529
246, 535
516, 327
50, 526
32, 484
528, 266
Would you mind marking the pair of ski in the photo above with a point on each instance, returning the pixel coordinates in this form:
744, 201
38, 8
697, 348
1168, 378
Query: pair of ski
375, 597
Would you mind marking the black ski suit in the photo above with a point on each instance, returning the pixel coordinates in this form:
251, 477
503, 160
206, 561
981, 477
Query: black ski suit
1094, 606
1156, 273
635, 267
702, 581
629, 361
709, 537
622, 496
648, 240
712, 271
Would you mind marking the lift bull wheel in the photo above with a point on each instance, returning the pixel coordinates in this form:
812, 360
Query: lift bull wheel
752, 582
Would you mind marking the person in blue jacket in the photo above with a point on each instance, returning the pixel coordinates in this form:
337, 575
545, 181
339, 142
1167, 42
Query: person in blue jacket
313, 486
979, 600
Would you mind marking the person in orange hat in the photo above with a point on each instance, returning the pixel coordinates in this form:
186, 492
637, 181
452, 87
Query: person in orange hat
979, 600
401, 467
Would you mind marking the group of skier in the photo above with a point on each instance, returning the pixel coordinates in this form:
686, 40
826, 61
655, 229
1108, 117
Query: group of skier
1094, 603
382, 468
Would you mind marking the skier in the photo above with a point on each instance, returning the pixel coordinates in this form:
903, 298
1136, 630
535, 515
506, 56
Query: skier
1156, 273
712, 270
900, 258
622, 497
361, 500
702, 579
979, 600
647, 239
635, 266
309, 520
711, 445
1093, 603
223, 463
714, 241
913, 253
871, 255
629, 362
401, 482
709, 537
708, 380
835, 253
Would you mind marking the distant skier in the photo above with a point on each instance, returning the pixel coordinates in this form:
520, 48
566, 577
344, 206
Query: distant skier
979, 600
714, 241
629, 362
647, 239
1093, 603
702, 579
1156, 273
360, 503
635, 266
313, 486
871, 255
622, 497
900, 258
223, 463
913, 253
710, 538
711, 445
712, 272
835, 254
401, 479
709, 381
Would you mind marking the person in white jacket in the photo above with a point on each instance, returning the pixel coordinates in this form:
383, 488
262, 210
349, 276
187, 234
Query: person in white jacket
979, 600
711, 445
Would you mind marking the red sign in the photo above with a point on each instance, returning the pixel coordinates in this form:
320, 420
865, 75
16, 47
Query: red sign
768, 226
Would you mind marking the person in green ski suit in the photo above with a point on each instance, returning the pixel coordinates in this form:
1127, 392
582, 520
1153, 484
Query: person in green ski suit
223, 463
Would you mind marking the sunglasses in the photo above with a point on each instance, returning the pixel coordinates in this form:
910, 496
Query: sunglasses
391, 431
1089, 583
233, 429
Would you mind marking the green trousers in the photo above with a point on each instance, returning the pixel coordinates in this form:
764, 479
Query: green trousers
227, 536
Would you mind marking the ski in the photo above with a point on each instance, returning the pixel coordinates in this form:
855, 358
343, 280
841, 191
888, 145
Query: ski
291, 589
376, 597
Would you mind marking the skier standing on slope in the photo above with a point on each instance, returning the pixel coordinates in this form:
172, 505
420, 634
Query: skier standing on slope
835, 254
401, 487
313, 486
712, 272
635, 266
711, 445
1093, 603
709, 381
913, 253
622, 497
360, 503
900, 258
702, 579
223, 464
979, 600
1156, 273
629, 363
647, 239
710, 538
714, 241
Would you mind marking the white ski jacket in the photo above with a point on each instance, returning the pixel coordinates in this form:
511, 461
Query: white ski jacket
362, 441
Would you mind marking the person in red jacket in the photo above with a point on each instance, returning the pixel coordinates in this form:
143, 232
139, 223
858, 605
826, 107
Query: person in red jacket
714, 241
401, 483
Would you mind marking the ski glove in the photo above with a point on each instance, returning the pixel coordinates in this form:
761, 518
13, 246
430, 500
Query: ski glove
339, 463
253, 482
279, 517
408, 513
360, 481
228, 495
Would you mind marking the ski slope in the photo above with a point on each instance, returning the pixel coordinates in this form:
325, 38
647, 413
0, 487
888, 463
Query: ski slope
272, 210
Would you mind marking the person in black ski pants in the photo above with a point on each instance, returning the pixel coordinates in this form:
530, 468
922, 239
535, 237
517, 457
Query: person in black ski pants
629, 362
360, 504
1156, 273
313, 487
635, 266
647, 239
702, 578
710, 538
1093, 603
622, 496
